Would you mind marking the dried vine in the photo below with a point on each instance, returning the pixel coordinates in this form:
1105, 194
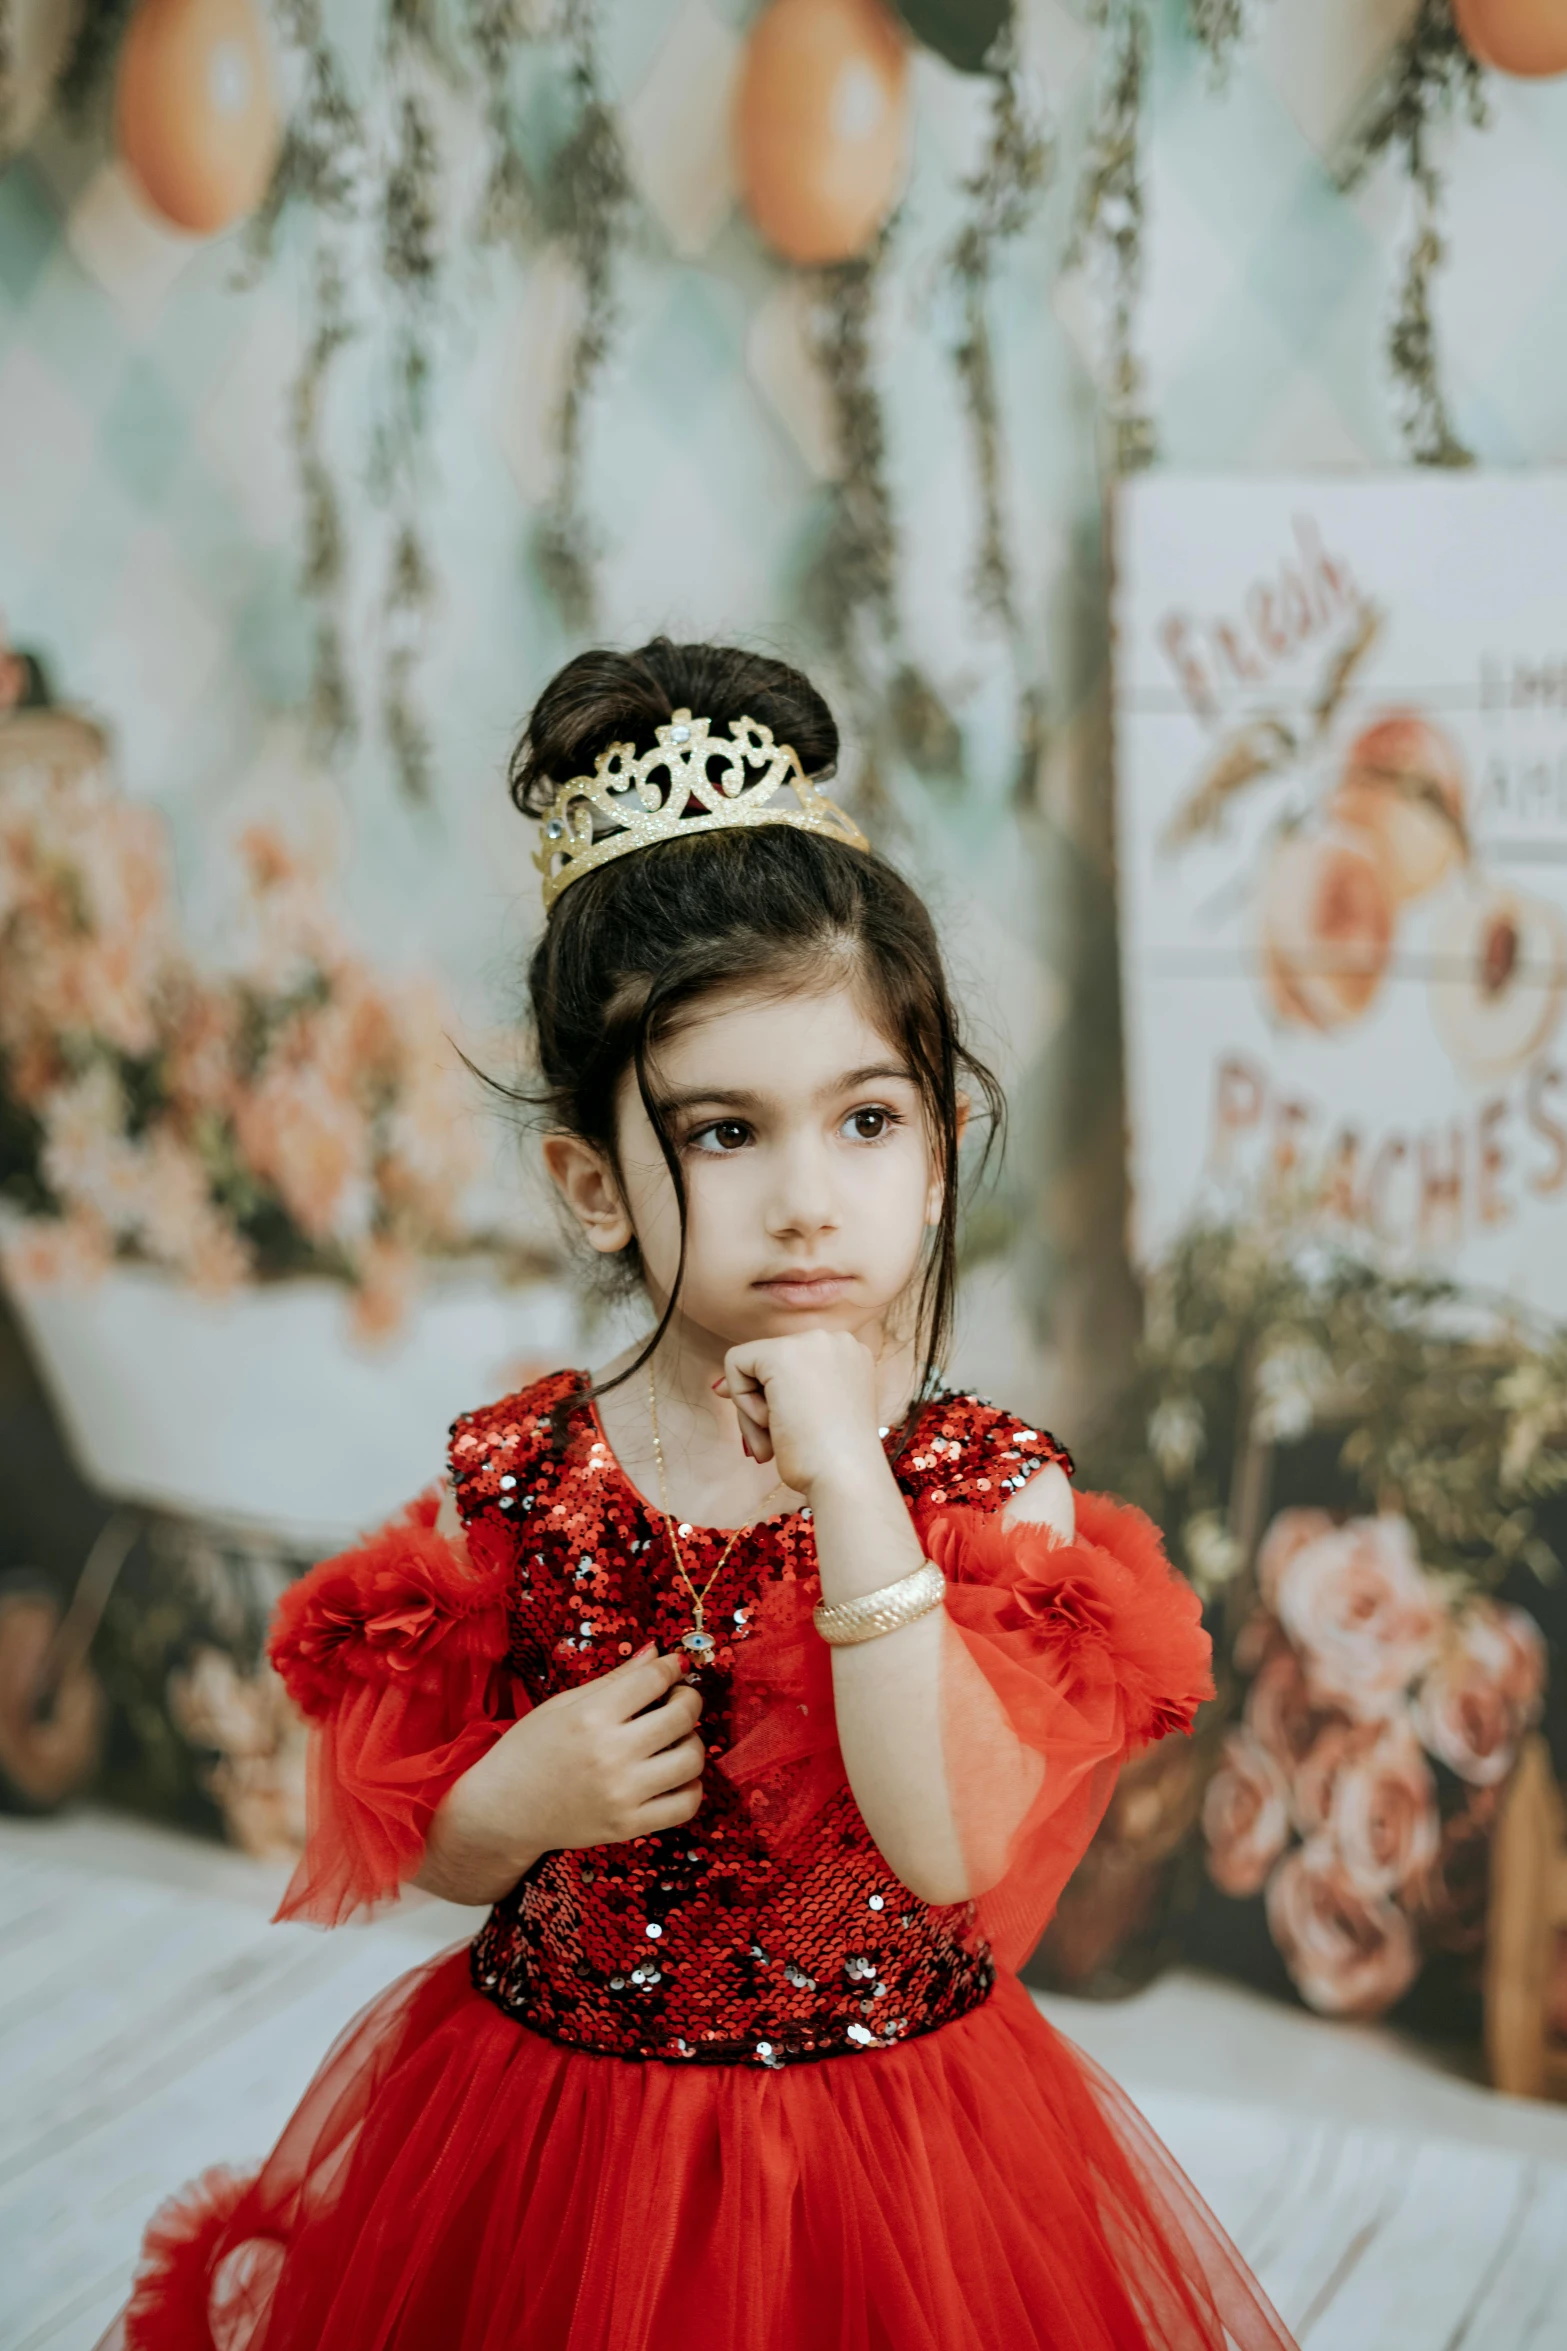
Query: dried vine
319, 167
850, 593
1003, 196
91, 53
333, 722
323, 147
7, 79
586, 201
507, 214
408, 222
1220, 26
1109, 222
1432, 76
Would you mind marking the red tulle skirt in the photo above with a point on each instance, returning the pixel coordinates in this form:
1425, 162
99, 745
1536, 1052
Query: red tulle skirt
451, 2182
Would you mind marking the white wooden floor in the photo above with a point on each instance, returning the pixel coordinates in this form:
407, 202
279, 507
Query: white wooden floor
152, 2023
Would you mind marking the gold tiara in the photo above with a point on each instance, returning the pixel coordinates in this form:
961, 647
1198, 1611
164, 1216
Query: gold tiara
693, 782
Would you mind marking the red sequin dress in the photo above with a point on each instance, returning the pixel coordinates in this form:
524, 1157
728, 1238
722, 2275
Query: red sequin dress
731, 2087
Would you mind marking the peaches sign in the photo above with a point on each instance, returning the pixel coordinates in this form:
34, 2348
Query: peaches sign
1341, 712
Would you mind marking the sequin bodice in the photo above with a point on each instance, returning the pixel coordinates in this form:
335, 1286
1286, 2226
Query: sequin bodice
707, 1943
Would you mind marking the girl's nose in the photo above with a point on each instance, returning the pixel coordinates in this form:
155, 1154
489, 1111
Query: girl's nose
803, 1202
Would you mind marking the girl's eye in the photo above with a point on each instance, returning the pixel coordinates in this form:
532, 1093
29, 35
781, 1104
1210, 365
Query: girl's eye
869, 1126
725, 1134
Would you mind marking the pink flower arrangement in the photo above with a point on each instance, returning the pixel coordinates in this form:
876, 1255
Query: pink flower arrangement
296, 1112
1325, 1802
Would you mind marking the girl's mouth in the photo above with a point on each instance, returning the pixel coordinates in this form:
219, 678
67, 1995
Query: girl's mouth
813, 1285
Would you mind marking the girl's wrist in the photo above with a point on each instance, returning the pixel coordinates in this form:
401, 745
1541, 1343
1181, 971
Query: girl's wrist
473, 1840
850, 1481
864, 1534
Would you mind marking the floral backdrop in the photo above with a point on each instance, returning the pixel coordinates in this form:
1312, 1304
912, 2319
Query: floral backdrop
289, 1111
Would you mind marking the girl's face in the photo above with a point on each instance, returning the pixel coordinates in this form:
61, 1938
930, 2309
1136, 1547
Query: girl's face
810, 1180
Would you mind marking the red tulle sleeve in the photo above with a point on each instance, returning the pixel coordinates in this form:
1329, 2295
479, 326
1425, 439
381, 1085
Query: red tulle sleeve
1063, 1659
395, 1653
1086, 1651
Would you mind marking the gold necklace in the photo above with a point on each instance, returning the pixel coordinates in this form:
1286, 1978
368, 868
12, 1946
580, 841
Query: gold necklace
698, 1641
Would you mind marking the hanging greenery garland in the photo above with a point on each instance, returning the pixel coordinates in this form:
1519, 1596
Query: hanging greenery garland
7, 79
1004, 197
1220, 26
332, 718
852, 579
586, 201
94, 45
408, 220
850, 592
1432, 77
409, 215
319, 168
508, 210
1108, 223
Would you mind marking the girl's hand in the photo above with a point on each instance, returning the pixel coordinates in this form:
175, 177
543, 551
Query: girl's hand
808, 1401
617, 1758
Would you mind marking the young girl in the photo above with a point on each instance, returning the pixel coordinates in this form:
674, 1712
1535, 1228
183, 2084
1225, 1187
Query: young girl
767, 1690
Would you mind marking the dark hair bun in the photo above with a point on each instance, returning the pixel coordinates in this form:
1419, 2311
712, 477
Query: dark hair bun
604, 697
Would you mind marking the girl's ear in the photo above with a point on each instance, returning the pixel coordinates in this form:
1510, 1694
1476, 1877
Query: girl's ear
586, 1182
933, 1196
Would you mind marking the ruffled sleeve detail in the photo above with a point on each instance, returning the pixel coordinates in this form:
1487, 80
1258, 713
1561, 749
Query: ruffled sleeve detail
395, 1652
1073, 1656
1063, 1659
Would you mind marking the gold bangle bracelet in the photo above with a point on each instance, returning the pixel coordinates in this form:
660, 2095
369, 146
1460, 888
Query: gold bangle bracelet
913, 1595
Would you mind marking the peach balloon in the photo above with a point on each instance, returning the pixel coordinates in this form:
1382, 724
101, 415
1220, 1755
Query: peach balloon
821, 125
196, 112
1524, 37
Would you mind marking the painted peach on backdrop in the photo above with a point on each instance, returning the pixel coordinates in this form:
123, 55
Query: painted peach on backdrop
196, 113
1349, 1953
1245, 1815
1486, 1689
1524, 37
1361, 1611
1325, 916
1402, 785
1501, 979
822, 125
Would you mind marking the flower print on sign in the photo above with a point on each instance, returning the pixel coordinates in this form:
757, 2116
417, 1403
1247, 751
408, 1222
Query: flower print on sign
1383, 1815
1349, 1953
1362, 1675
1245, 1816
1362, 1613
1483, 1693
